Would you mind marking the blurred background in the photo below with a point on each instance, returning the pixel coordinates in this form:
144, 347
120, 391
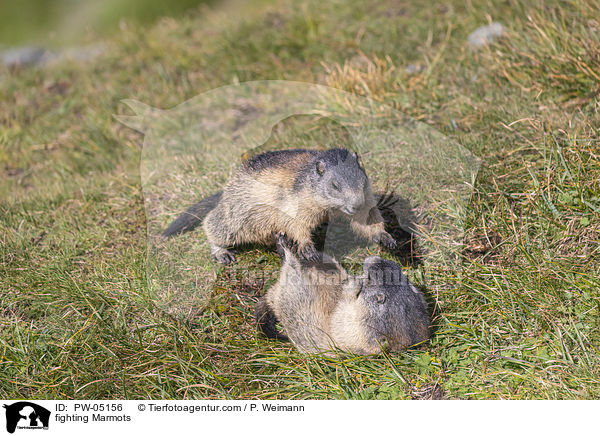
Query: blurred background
56, 23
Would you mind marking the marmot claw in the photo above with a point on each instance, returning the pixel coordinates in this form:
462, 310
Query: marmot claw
385, 240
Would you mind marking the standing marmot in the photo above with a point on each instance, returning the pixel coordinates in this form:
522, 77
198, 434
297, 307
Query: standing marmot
321, 307
291, 191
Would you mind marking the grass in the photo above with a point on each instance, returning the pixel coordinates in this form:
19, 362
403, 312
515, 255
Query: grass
60, 22
519, 319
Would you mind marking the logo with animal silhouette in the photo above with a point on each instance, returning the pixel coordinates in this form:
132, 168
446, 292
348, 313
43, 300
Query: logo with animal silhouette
26, 415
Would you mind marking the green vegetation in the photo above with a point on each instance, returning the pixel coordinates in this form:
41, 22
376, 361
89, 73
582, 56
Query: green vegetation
61, 22
76, 316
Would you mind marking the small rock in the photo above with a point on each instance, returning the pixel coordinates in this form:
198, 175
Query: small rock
22, 56
484, 35
33, 56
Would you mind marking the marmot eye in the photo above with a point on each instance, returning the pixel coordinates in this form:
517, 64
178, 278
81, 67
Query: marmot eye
335, 186
380, 298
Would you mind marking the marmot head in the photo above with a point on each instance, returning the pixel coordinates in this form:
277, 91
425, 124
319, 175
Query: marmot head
340, 180
392, 312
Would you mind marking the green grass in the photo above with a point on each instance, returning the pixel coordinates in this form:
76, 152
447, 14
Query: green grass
520, 317
60, 22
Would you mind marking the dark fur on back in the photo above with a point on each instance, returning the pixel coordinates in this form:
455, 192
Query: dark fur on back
272, 159
334, 159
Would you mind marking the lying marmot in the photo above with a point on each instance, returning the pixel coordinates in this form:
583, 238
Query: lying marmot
320, 307
291, 191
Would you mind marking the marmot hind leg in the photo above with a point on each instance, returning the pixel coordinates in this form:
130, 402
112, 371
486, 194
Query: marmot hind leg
219, 237
222, 255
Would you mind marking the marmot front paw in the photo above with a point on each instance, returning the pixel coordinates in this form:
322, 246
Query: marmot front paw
309, 253
385, 240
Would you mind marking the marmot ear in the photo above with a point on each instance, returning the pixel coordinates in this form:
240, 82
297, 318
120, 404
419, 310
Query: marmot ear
355, 155
320, 168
